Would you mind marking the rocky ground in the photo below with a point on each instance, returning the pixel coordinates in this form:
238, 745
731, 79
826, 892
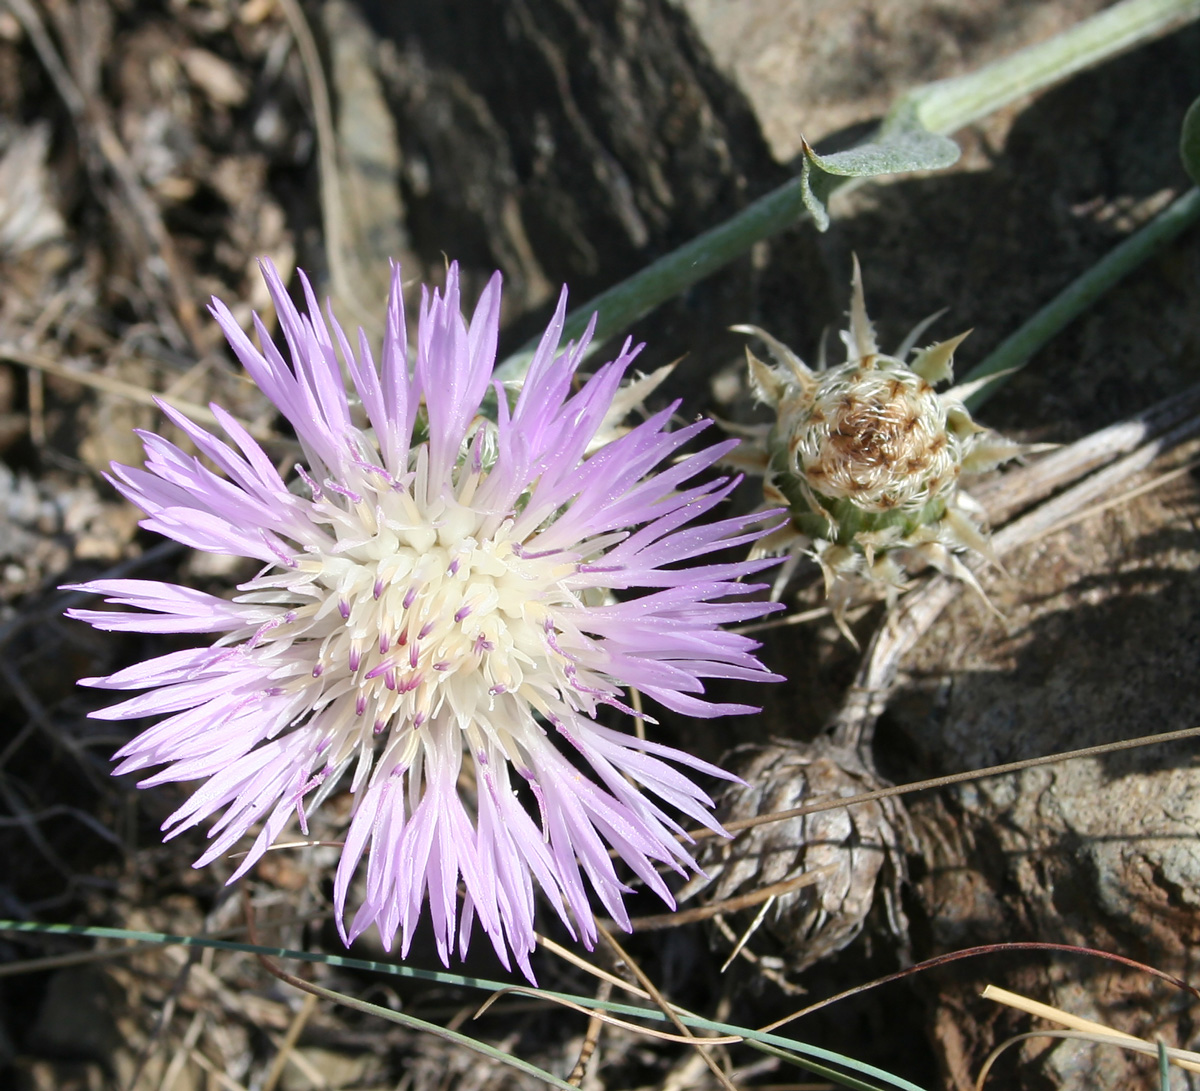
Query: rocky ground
150, 152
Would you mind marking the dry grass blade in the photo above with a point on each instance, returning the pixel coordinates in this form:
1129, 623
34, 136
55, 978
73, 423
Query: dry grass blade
78, 958
337, 254
295, 1029
217, 1077
611, 1020
1007, 494
183, 1053
494, 1055
127, 390
162, 1024
1188, 1060
954, 778
975, 952
1124, 498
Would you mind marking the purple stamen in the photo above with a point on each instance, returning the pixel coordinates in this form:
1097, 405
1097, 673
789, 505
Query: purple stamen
462, 612
267, 626
426, 629
341, 490
360, 704
377, 590
365, 464
551, 639
313, 487
410, 596
354, 659
302, 789
344, 609
272, 543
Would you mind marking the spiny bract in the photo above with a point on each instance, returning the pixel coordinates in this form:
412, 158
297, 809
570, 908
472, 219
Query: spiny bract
866, 456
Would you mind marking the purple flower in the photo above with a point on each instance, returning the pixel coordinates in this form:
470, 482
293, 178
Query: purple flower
438, 587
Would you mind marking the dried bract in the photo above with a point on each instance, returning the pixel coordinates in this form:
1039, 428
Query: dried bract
856, 850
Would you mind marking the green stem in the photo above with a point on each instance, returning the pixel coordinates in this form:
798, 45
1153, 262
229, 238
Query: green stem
941, 107
948, 105
1014, 352
635, 297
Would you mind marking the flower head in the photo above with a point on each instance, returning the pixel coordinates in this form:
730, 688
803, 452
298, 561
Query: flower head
436, 607
867, 458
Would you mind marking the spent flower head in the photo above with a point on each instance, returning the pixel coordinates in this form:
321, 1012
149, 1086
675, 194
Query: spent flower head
436, 608
867, 457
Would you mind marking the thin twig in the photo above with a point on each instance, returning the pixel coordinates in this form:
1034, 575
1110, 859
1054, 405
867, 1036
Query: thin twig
578, 961
667, 1009
337, 254
591, 1038
731, 905
976, 952
949, 779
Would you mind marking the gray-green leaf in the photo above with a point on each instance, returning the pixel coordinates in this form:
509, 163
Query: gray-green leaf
894, 152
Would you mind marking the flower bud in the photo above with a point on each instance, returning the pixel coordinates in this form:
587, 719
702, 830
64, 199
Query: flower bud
867, 457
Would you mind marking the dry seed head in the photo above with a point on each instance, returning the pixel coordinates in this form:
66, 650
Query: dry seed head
859, 851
